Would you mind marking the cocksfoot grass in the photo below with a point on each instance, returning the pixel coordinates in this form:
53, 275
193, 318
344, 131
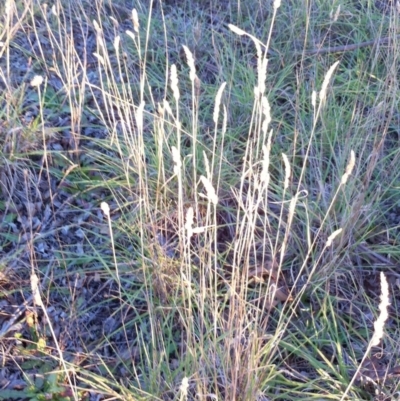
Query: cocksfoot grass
199, 200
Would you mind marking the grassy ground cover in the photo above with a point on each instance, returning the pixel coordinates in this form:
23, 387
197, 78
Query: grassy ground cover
199, 200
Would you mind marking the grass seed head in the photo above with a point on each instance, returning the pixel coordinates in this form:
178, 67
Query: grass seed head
135, 20
332, 237
218, 102
190, 62
380, 323
174, 82
37, 80
349, 167
322, 93
211, 194
105, 208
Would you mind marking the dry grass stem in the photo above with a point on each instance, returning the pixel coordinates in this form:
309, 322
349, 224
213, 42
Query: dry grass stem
287, 171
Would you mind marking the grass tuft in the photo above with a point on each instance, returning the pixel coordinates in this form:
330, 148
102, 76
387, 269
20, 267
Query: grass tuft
199, 200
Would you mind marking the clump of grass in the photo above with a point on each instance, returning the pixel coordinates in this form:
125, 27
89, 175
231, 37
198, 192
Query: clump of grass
217, 211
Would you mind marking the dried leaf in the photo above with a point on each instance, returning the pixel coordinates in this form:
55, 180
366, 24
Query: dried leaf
282, 294
258, 272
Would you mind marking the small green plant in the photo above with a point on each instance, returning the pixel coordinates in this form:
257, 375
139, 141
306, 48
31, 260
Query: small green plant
48, 388
42, 388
